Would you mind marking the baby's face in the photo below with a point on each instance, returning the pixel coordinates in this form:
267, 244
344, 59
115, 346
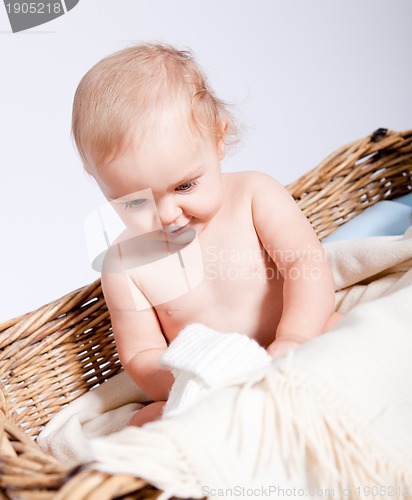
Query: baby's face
172, 183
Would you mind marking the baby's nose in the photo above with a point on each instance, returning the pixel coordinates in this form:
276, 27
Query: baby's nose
169, 213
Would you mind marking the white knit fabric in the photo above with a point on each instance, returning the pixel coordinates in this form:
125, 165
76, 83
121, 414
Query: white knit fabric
201, 358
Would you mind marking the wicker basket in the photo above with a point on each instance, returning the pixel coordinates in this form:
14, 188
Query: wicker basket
53, 355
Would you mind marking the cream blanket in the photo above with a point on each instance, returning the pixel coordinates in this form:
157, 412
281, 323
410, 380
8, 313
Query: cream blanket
334, 415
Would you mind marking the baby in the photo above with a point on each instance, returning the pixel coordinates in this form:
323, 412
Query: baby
231, 251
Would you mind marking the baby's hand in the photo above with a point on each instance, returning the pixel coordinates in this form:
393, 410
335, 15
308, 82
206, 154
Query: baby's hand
149, 413
283, 344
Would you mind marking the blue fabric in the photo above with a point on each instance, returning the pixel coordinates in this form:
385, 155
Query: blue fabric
406, 200
385, 218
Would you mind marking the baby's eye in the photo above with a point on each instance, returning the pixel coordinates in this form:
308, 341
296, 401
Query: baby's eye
134, 203
186, 186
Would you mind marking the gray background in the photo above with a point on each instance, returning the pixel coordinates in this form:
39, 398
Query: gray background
306, 78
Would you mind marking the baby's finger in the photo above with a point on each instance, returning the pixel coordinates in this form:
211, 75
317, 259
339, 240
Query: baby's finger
282, 346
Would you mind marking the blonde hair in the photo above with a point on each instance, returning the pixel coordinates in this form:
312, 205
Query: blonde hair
123, 94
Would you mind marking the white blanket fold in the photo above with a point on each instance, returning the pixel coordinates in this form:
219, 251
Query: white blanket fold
98, 413
334, 414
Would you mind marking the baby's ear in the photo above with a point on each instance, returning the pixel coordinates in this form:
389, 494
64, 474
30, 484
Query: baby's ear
221, 137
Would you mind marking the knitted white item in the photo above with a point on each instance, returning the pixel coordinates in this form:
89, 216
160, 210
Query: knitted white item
200, 358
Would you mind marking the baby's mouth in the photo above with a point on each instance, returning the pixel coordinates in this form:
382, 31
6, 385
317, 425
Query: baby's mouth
176, 230
181, 235
180, 230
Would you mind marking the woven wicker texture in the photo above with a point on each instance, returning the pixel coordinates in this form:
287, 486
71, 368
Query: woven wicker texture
55, 354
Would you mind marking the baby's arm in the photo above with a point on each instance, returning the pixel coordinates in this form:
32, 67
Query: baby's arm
288, 237
138, 335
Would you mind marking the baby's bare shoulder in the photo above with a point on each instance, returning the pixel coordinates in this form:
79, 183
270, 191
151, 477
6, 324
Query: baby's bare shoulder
248, 182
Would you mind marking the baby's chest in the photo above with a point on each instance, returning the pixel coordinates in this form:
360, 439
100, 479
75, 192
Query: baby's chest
236, 266
216, 268
236, 284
